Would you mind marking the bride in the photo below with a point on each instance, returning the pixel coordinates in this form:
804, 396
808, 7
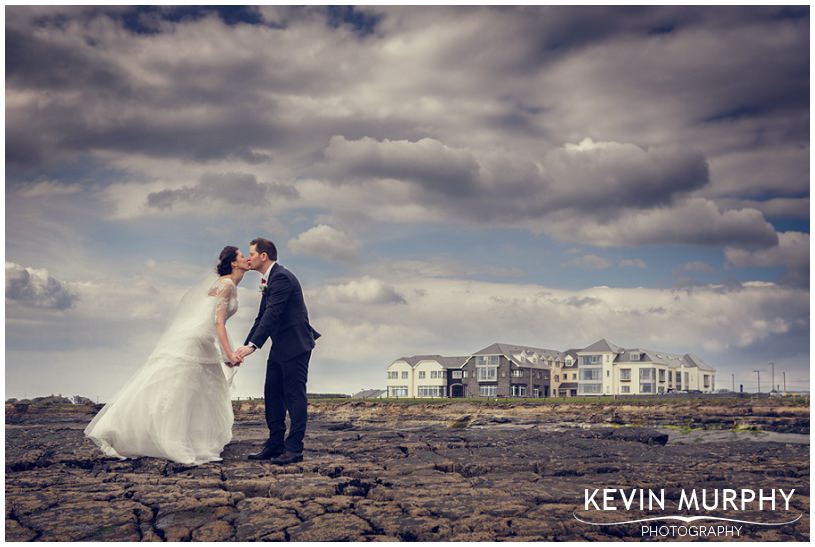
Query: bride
177, 405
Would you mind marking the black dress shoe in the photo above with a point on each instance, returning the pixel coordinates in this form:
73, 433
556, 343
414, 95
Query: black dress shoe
288, 457
266, 454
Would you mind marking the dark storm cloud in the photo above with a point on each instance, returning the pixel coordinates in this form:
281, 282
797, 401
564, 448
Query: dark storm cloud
37, 288
471, 108
428, 163
598, 179
228, 188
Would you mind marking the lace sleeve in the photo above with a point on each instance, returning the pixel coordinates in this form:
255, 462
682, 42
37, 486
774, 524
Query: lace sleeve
222, 293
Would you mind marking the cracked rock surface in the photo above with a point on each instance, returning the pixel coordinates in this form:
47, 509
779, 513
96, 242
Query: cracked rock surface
380, 472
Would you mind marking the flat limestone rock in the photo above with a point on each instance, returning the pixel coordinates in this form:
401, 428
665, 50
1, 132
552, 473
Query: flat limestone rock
509, 472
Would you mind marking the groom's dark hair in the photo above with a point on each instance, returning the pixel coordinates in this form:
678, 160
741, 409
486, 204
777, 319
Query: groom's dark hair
265, 246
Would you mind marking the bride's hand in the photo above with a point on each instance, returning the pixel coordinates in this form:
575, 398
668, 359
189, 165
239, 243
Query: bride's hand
235, 359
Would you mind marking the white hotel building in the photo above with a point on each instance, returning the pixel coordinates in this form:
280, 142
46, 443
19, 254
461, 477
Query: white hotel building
603, 368
607, 369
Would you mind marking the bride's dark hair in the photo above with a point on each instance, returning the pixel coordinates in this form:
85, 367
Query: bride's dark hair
228, 256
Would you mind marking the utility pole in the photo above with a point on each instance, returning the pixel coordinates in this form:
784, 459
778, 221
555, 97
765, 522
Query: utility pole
772, 378
758, 377
733, 376
784, 376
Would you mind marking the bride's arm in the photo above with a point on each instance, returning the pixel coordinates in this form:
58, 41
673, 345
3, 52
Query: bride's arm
224, 294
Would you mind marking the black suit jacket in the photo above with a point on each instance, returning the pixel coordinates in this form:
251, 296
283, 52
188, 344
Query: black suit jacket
283, 317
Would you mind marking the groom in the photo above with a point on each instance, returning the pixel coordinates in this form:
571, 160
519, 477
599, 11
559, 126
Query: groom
283, 318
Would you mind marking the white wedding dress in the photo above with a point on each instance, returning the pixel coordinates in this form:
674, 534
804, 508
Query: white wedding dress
177, 405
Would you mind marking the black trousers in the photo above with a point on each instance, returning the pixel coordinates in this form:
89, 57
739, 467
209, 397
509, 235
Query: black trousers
285, 391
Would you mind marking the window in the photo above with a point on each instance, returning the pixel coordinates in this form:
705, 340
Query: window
393, 375
463, 373
557, 378
646, 374
517, 373
458, 374
430, 391
625, 374
518, 391
397, 391
707, 381
687, 381
634, 356
421, 375
670, 376
625, 389
574, 376
437, 374
536, 392
678, 381
586, 360
487, 391
487, 360
608, 358
647, 388
404, 375
487, 374
662, 375
590, 388
608, 373
590, 374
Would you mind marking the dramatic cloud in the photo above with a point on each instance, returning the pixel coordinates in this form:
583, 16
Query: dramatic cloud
367, 291
49, 188
36, 287
694, 221
791, 208
326, 242
429, 163
228, 188
792, 253
595, 178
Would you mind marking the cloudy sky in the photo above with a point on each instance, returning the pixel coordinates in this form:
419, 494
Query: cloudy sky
439, 179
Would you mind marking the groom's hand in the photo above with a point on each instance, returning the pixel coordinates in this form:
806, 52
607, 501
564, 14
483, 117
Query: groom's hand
244, 351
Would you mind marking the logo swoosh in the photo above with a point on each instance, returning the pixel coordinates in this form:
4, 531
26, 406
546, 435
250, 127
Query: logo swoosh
687, 519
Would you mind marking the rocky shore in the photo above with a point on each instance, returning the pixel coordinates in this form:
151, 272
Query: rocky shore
460, 471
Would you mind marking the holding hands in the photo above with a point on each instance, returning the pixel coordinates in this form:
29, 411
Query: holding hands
244, 351
235, 359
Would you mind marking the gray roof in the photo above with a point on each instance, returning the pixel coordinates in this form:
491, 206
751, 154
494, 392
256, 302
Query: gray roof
562, 356
453, 362
446, 362
499, 348
603, 345
568, 385
696, 360
509, 350
663, 358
